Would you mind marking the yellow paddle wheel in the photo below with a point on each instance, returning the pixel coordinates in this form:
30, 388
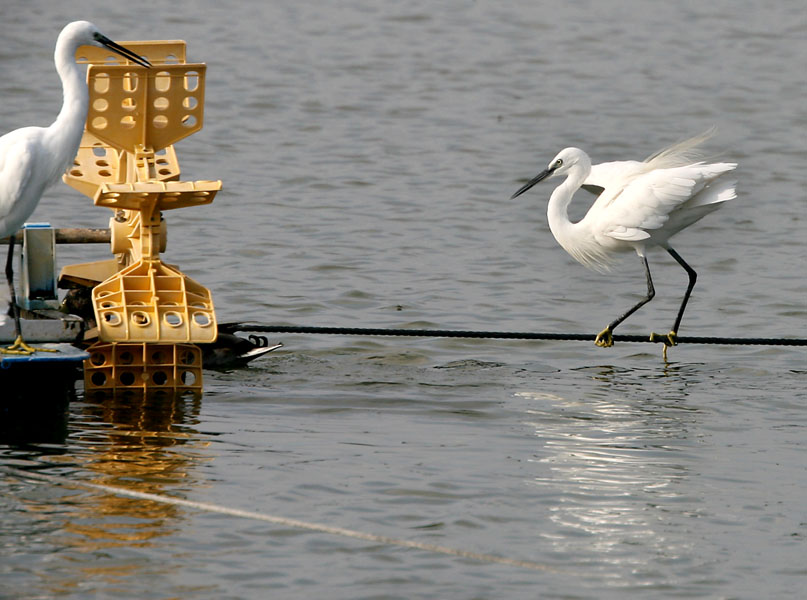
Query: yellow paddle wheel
149, 315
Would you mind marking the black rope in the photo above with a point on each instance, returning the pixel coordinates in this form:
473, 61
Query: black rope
506, 335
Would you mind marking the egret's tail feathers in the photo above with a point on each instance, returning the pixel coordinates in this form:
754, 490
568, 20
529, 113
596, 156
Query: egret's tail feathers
729, 193
715, 193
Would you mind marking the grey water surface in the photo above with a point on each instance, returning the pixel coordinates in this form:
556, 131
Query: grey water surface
368, 152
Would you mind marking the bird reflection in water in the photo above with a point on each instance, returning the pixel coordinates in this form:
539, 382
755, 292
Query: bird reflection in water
610, 467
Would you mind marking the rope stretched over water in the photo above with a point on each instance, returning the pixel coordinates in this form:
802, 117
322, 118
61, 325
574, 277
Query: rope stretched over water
506, 335
293, 523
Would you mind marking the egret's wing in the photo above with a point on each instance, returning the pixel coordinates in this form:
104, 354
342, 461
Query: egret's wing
610, 179
647, 202
610, 174
16, 161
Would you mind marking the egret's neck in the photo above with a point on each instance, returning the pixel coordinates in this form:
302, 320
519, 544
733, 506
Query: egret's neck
557, 211
64, 134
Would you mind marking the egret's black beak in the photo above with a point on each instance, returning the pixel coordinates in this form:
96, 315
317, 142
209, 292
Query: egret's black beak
124, 52
537, 179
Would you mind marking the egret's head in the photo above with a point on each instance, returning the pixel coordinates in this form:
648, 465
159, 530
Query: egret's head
566, 160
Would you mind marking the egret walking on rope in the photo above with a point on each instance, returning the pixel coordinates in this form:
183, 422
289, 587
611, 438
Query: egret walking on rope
640, 205
33, 158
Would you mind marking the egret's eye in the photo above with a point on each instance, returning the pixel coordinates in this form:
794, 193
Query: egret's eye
558, 163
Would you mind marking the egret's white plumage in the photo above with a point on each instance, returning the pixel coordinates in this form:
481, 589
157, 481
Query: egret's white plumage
33, 158
640, 204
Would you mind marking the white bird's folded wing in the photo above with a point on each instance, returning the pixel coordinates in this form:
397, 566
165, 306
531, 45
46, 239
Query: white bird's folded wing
647, 202
16, 159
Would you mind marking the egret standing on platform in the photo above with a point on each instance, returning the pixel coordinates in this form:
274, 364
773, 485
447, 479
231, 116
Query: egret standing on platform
640, 205
33, 158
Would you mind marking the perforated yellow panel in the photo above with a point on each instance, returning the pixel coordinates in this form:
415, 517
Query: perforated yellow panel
98, 163
118, 105
164, 195
126, 366
94, 165
176, 97
152, 302
132, 108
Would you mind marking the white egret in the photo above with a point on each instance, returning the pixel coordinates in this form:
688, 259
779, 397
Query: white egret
640, 205
33, 158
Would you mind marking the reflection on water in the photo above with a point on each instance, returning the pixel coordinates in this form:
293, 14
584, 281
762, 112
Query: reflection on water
611, 466
141, 443
132, 442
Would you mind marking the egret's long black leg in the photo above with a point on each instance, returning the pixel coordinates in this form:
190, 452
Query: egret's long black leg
10, 280
605, 338
670, 338
693, 277
19, 346
9, 270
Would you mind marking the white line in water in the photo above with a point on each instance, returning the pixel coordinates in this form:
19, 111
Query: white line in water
294, 523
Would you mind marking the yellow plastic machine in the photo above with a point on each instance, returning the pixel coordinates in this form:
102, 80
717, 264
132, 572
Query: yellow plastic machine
149, 314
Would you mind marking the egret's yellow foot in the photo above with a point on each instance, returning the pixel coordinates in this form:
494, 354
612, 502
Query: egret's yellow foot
9, 350
604, 338
20, 347
668, 340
